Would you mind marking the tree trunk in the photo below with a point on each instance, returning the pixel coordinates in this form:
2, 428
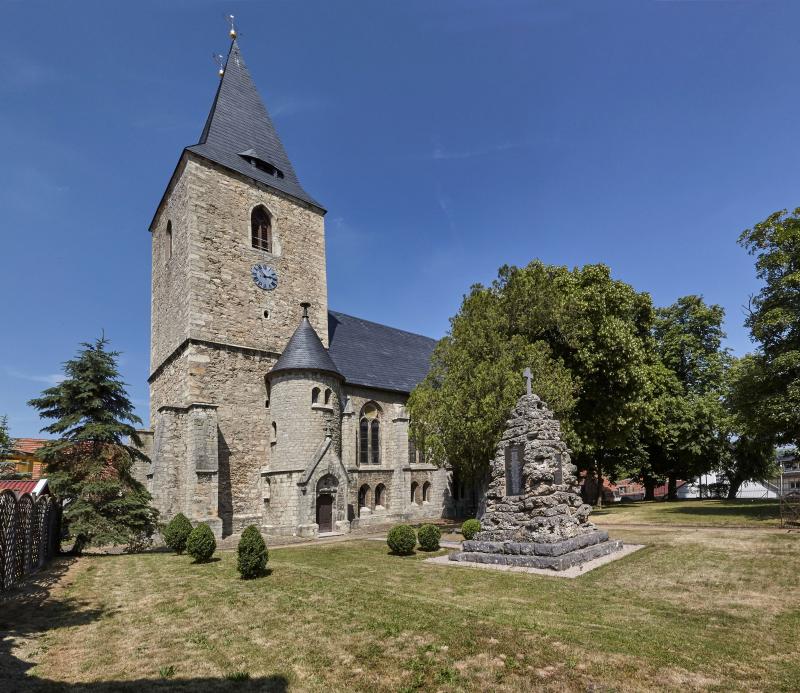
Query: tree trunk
672, 488
80, 542
598, 499
649, 489
733, 489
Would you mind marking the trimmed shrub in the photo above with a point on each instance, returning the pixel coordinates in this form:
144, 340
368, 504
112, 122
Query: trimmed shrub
252, 554
177, 532
401, 540
470, 528
429, 536
201, 543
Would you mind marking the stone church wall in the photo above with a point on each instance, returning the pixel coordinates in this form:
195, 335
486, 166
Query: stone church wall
169, 314
301, 425
234, 380
226, 305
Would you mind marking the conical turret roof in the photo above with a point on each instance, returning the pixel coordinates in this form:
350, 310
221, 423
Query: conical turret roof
305, 352
239, 133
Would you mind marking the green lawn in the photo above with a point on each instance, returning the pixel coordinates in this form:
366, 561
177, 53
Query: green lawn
707, 609
703, 513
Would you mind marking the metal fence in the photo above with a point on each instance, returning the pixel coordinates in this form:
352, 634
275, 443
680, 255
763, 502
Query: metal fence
29, 535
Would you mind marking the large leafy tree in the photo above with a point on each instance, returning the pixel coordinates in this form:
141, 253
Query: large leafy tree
774, 322
751, 451
583, 334
691, 438
90, 464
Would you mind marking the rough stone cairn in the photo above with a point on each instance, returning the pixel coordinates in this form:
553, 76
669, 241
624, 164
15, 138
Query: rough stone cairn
534, 514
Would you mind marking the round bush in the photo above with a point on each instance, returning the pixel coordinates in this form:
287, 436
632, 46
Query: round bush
470, 528
401, 540
252, 554
177, 532
201, 543
429, 536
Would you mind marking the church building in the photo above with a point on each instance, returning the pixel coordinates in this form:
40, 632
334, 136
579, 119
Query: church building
268, 408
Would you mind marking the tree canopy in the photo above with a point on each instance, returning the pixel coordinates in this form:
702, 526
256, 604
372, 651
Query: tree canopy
774, 322
689, 436
585, 337
90, 465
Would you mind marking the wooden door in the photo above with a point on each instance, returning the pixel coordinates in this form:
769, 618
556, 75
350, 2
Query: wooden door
325, 512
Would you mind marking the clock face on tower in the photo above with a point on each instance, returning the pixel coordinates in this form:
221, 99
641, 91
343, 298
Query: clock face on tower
265, 277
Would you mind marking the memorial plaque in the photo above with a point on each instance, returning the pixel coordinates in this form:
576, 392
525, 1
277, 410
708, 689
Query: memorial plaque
558, 474
513, 470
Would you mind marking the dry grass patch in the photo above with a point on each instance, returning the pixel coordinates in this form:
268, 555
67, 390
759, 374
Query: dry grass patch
694, 611
692, 513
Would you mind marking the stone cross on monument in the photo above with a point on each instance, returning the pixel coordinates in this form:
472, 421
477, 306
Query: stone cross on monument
528, 376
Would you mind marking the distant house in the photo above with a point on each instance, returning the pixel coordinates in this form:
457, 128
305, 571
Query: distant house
23, 459
628, 490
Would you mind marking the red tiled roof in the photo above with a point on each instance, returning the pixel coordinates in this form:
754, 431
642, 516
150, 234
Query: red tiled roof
19, 487
29, 445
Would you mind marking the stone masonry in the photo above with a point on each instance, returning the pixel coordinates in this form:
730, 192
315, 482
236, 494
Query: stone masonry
534, 514
231, 445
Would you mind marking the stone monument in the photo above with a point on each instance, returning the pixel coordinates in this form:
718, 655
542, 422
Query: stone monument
534, 515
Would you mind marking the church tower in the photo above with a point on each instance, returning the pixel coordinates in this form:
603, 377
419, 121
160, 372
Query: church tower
237, 246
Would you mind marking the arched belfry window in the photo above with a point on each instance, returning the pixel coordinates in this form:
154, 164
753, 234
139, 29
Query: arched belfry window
169, 239
369, 434
315, 396
261, 228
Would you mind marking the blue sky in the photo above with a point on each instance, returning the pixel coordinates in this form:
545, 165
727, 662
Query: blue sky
445, 139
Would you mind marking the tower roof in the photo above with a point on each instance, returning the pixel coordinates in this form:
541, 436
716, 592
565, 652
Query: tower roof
305, 352
239, 133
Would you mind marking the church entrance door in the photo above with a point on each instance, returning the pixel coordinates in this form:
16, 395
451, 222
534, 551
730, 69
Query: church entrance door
325, 512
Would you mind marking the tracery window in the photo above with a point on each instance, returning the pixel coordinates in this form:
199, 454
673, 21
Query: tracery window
261, 229
369, 435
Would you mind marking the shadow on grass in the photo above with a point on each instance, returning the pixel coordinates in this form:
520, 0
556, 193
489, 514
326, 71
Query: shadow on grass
755, 510
29, 611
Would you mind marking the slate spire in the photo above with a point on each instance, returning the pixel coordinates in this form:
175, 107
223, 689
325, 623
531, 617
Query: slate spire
240, 135
305, 352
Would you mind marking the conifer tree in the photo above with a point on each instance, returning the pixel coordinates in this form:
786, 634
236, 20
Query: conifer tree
7, 468
90, 465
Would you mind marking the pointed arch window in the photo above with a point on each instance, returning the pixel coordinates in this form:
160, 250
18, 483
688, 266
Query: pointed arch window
261, 228
426, 492
369, 434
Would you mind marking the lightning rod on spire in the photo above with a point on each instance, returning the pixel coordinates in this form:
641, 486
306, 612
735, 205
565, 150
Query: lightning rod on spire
232, 32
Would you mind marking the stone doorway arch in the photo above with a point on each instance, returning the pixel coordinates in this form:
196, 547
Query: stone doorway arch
327, 487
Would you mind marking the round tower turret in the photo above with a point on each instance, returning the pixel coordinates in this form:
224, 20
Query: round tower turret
305, 400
